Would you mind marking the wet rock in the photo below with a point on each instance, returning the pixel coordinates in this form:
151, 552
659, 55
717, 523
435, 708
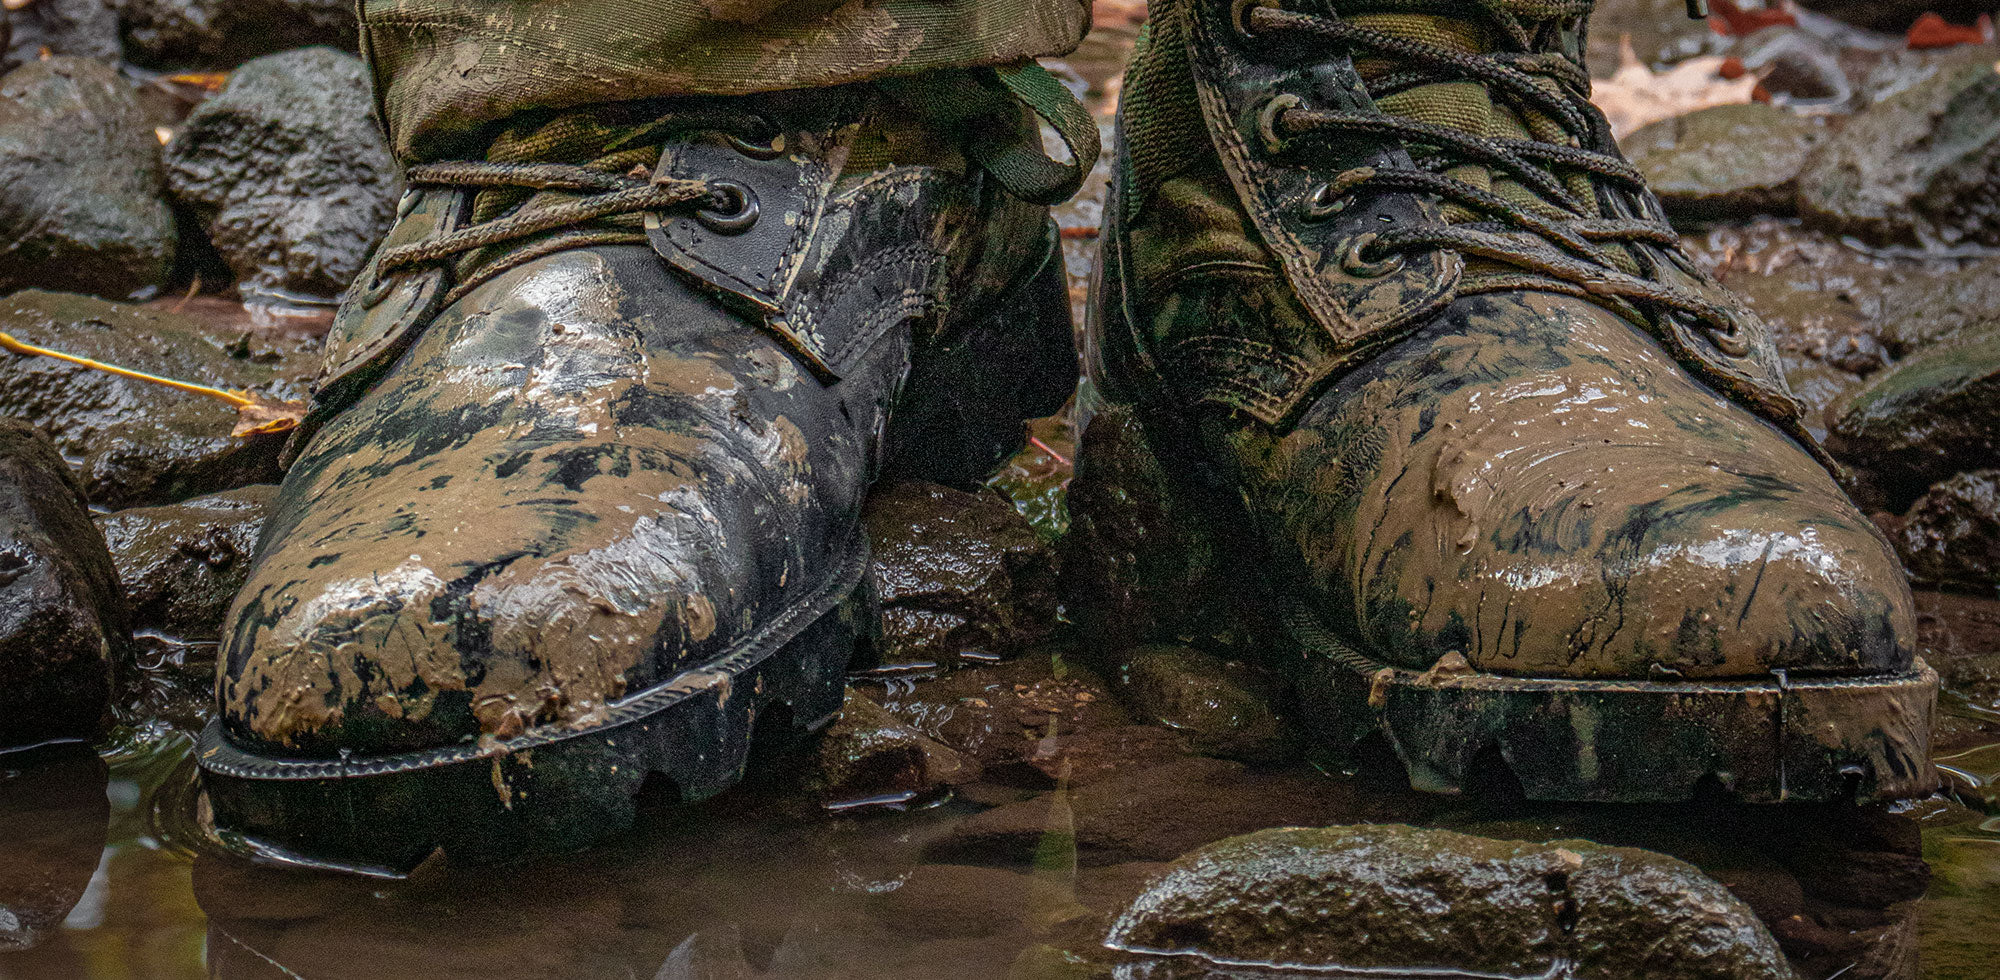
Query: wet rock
1222, 708
1660, 30
869, 754
1726, 162
960, 574
1391, 897
1002, 715
1931, 309
224, 33
1093, 756
1952, 535
137, 443
81, 204
1918, 168
62, 618
182, 563
291, 178
1799, 69
1924, 420
1158, 813
78, 28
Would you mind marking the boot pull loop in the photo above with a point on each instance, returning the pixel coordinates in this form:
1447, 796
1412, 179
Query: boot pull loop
1019, 164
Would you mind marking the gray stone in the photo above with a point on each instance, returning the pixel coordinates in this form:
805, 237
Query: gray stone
62, 617
1919, 168
138, 443
1726, 162
1952, 535
1010, 717
293, 181
959, 573
1924, 420
82, 28
183, 563
1393, 897
1821, 388
1930, 309
225, 33
81, 204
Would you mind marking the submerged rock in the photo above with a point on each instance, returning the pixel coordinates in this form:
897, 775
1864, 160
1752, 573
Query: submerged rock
1952, 535
1726, 162
292, 179
1222, 708
78, 28
56, 812
1004, 716
137, 443
1392, 897
62, 617
869, 754
1917, 168
959, 574
1157, 813
182, 563
81, 205
1928, 418
224, 33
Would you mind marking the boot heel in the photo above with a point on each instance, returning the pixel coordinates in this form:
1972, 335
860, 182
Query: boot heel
970, 391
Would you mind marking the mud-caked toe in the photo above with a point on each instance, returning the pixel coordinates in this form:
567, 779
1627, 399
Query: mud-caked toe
1549, 495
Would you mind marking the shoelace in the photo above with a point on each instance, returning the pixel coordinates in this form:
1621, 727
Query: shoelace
1579, 237
618, 198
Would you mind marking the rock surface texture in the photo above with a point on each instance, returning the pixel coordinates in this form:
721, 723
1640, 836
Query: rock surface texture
181, 564
291, 178
1952, 536
222, 33
1725, 162
62, 617
1918, 168
138, 443
959, 574
80, 186
1390, 898
82, 28
1932, 416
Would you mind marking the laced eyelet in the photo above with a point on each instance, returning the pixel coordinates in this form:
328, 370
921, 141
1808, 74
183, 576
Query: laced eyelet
1729, 341
771, 150
406, 204
1267, 120
736, 211
1355, 264
376, 290
1322, 203
1239, 16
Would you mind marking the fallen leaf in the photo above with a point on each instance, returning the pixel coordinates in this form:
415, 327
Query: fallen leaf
1635, 95
256, 415
1933, 31
1730, 20
209, 80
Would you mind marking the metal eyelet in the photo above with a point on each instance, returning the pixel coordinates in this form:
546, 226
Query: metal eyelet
1322, 203
1729, 341
1267, 120
377, 290
1354, 264
757, 151
1239, 16
407, 203
737, 210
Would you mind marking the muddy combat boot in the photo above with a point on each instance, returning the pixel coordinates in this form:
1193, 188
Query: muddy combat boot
1394, 354
580, 512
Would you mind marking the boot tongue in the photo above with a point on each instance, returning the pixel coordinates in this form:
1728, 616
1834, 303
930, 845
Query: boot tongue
1462, 105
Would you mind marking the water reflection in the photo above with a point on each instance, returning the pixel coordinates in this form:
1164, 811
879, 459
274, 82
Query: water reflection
53, 817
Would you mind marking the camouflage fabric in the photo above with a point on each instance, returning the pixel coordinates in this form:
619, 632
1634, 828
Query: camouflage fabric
446, 68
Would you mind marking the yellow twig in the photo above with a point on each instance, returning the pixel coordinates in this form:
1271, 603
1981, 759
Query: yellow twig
236, 398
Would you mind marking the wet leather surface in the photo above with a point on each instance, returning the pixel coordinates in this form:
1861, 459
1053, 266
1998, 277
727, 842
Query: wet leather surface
582, 477
1530, 482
